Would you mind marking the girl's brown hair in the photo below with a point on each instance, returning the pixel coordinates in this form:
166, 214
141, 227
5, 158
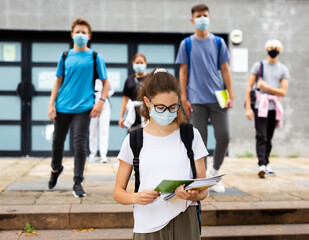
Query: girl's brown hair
159, 82
138, 55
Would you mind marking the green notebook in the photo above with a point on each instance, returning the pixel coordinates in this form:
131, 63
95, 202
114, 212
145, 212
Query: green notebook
167, 186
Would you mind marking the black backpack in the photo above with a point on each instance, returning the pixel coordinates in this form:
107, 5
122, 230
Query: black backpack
252, 92
136, 144
94, 56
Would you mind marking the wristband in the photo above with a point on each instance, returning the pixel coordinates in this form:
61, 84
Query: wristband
103, 99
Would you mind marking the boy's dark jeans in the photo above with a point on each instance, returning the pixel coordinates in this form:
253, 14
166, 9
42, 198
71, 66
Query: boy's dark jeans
265, 128
80, 122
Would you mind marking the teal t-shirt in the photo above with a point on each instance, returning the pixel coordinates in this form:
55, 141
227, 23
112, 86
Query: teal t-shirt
76, 94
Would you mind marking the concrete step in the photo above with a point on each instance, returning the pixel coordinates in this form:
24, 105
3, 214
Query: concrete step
252, 232
118, 216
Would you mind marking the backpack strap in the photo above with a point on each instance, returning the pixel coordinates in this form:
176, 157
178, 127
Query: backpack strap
260, 72
186, 134
219, 45
136, 144
95, 72
188, 50
64, 56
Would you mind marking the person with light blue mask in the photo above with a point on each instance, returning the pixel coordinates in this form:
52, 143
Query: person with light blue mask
72, 102
163, 156
129, 103
200, 56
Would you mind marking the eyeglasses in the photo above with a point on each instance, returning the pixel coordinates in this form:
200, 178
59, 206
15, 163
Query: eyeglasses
161, 108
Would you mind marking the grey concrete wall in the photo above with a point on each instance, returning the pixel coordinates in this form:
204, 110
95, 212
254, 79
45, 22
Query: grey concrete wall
259, 20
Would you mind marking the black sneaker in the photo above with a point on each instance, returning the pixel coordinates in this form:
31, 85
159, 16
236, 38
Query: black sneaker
54, 177
78, 190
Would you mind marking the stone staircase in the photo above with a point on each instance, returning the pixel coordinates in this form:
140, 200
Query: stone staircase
221, 220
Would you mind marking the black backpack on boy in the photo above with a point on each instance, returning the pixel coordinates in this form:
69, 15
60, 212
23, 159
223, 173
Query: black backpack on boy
136, 144
94, 56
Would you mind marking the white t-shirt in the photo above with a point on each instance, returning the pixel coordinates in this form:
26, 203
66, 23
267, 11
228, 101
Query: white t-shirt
161, 158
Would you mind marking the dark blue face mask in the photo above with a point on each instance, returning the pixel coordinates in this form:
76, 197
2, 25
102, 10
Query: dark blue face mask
273, 53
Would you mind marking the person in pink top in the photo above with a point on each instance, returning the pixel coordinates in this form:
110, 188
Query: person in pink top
267, 110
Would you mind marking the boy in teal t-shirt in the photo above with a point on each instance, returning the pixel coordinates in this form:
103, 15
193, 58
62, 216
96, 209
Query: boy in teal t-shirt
72, 102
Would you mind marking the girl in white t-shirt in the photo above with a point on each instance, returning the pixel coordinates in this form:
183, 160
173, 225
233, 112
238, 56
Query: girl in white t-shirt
163, 156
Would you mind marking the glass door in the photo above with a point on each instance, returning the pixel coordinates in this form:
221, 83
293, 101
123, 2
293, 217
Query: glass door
12, 107
44, 59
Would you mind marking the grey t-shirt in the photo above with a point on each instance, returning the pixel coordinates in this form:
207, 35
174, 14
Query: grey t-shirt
204, 78
273, 74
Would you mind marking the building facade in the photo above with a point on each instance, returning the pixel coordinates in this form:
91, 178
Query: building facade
34, 33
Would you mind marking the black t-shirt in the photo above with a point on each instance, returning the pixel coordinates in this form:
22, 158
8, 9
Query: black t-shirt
131, 86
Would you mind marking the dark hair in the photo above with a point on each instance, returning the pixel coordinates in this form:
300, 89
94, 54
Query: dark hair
138, 55
81, 21
155, 83
199, 7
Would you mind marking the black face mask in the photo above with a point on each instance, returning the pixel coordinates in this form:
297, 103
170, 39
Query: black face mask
273, 53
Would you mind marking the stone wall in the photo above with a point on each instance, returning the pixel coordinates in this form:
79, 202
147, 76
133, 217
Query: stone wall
259, 20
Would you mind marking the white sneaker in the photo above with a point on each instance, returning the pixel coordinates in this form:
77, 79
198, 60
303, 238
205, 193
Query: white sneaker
104, 159
269, 171
219, 187
92, 158
262, 171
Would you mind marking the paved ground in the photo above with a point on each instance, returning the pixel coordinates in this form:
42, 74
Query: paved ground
23, 181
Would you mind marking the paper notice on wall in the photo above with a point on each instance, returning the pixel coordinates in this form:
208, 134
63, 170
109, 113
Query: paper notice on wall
114, 79
239, 60
46, 80
9, 52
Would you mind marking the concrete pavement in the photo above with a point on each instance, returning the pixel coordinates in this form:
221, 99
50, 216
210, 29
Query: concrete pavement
23, 181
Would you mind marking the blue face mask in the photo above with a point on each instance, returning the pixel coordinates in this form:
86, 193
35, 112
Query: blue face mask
202, 23
164, 118
80, 39
139, 68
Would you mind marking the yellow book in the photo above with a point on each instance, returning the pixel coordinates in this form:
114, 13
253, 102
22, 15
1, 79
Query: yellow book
222, 97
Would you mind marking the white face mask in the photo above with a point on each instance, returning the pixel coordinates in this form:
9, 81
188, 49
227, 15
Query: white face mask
201, 23
164, 118
139, 68
80, 39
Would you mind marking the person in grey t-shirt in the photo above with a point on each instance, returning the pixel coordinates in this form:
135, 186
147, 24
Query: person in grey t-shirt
199, 79
275, 85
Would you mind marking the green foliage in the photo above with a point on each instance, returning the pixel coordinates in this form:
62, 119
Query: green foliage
29, 228
273, 155
245, 155
294, 155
